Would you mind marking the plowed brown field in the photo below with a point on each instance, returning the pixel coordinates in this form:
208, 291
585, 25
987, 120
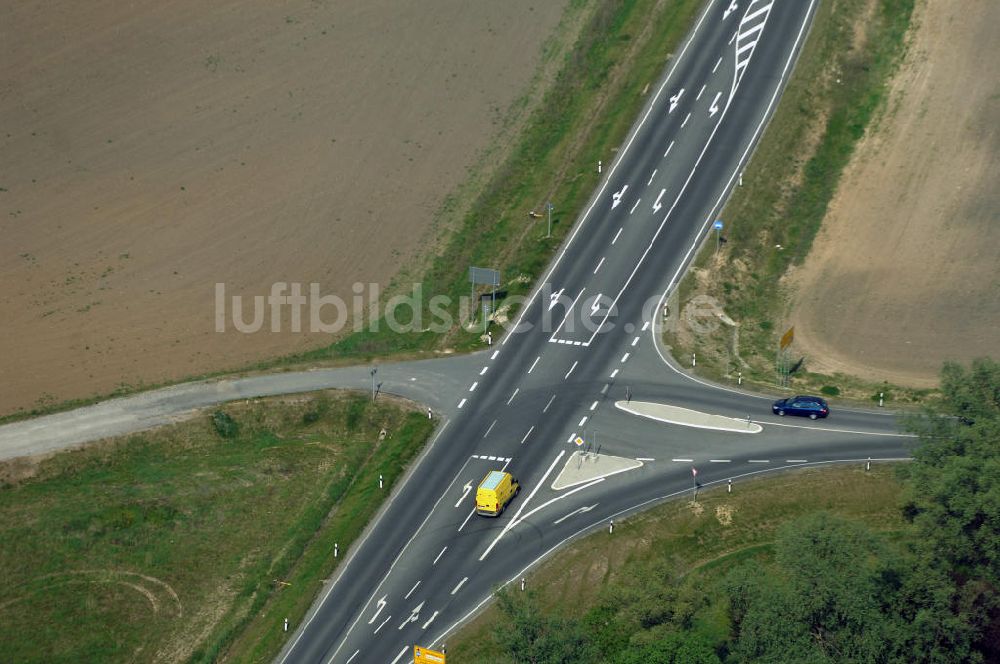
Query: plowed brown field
151, 149
905, 272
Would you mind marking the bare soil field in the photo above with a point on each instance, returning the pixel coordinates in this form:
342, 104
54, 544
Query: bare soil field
906, 269
150, 150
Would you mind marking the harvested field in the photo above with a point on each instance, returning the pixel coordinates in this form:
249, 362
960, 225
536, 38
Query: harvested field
905, 271
152, 150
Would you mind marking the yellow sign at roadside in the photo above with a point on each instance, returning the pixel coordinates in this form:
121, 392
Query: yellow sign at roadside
786, 340
426, 656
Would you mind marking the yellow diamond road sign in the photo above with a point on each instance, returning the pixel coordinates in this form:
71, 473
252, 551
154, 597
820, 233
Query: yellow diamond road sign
578, 441
786, 340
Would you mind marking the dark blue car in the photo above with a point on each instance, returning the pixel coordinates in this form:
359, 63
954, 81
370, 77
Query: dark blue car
811, 407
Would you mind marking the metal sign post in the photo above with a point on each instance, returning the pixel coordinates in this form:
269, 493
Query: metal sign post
718, 231
483, 276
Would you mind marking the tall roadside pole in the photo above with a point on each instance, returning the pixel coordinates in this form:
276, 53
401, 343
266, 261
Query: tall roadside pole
549, 206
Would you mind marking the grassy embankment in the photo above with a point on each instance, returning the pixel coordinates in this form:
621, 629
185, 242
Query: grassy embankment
835, 95
695, 543
585, 114
181, 544
584, 117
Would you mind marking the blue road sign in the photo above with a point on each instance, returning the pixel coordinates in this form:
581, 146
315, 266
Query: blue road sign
717, 225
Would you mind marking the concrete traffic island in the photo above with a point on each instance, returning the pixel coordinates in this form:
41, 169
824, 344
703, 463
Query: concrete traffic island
583, 467
686, 417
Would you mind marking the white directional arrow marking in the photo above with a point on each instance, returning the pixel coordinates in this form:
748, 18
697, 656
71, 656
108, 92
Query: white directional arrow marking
729, 10
656, 205
554, 298
430, 620
414, 615
596, 305
617, 197
582, 510
465, 492
675, 99
714, 108
381, 605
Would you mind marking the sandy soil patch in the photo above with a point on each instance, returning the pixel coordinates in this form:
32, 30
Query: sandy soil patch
153, 149
906, 269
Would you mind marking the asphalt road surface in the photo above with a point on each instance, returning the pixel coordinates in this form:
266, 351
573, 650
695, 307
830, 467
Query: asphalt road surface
586, 339
585, 343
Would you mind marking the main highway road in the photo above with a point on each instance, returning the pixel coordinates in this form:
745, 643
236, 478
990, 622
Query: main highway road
586, 341
584, 351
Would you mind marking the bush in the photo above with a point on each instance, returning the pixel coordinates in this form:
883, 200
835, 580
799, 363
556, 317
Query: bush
318, 407
830, 390
224, 424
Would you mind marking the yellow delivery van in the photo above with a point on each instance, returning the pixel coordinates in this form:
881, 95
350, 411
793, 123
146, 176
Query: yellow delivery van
494, 492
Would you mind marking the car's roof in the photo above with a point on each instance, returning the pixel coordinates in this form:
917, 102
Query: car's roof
492, 480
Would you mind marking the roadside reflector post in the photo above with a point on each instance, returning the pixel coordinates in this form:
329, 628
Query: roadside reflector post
694, 359
739, 378
868, 464
286, 624
522, 584
380, 480
598, 165
729, 486
881, 395
336, 549
611, 527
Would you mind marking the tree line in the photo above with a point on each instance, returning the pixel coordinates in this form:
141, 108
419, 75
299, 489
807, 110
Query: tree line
831, 590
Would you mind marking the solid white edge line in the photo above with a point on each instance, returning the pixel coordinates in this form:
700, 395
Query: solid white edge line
626, 511
740, 167
614, 166
523, 505
342, 569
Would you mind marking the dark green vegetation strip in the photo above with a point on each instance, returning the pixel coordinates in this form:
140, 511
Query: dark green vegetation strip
838, 87
837, 565
584, 117
192, 539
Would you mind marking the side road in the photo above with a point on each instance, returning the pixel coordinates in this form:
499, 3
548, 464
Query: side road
435, 383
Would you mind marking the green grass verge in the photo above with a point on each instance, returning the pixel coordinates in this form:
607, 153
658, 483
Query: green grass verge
183, 543
584, 117
833, 98
694, 543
